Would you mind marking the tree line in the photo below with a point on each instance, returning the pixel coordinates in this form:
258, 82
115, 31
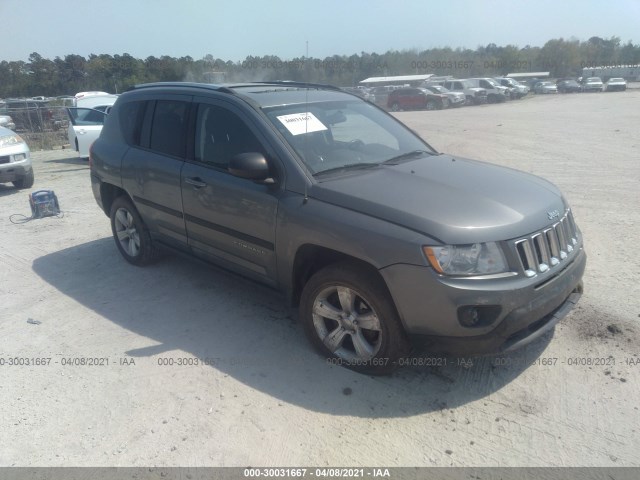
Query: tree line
115, 73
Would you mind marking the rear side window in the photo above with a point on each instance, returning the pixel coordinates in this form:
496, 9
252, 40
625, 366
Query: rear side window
168, 127
131, 115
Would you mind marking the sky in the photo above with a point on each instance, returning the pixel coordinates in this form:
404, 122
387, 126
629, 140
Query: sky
233, 29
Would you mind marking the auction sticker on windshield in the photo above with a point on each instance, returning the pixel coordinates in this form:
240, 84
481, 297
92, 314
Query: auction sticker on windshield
299, 123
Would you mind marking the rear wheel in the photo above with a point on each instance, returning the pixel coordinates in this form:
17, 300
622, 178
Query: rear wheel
130, 233
395, 107
349, 316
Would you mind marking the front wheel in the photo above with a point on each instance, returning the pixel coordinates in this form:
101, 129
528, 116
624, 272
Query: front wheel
130, 233
395, 107
25, 181
431, 105
349, 316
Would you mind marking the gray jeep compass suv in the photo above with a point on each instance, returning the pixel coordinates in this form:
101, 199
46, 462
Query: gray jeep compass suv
380, 240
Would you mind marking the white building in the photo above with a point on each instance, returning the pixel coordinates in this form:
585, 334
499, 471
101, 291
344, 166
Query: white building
628, 72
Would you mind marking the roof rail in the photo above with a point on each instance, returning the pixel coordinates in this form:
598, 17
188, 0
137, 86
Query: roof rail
228, 87
204, 86
295, 83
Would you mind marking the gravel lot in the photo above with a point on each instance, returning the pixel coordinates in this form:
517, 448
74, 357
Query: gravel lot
570, 399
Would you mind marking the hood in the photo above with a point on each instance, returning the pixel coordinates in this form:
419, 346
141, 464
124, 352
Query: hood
451, 199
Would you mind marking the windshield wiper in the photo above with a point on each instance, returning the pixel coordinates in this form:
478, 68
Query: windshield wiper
351, 166
406, 156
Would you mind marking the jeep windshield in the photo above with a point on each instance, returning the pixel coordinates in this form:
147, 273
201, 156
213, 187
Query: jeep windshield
345, 135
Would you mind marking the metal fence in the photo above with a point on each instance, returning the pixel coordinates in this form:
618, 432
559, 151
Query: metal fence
42, 125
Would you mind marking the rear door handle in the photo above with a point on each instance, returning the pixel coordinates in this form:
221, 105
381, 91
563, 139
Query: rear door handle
195, 181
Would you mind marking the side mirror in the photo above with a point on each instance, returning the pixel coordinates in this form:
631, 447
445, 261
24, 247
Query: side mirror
252, 166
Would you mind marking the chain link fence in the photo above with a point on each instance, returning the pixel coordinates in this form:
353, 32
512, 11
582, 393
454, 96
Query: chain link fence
42, 124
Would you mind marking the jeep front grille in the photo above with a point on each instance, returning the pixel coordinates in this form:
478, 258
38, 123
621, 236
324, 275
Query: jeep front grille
548, 248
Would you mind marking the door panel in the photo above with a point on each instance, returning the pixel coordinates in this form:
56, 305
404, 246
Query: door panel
151, 172
85, 137
85, 125
153, 181
229, 220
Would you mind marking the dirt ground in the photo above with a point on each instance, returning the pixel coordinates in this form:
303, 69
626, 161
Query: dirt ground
112, 378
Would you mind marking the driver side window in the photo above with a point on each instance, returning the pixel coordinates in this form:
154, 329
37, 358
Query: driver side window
221, 134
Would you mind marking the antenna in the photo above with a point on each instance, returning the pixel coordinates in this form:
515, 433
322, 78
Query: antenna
306, 90
306, 122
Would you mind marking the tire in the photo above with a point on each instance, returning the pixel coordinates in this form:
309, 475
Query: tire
25, 182
395, 107
339, 289
131, 234
431, 105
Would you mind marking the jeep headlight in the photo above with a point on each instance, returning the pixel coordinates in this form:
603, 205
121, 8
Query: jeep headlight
9, 140
468, 260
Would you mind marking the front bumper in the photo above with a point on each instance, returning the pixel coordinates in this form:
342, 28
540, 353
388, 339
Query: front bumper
527, 308
479, 99
10, 170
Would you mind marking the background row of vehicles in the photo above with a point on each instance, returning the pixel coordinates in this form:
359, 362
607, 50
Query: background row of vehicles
571, 85
444, 92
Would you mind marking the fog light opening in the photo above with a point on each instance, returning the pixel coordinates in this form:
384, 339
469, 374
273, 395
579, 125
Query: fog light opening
474, 316
469, 316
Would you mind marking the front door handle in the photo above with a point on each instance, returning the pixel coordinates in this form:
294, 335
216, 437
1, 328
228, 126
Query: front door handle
195, 181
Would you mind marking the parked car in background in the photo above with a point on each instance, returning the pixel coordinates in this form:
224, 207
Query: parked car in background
568, 86
616, 85
29, 115
512, 92
545, 87
7, 122
518, 90
381, 94
364, 93
456, 99
377, 238
474, 95
87, 118
416, 99
15, 160
496, 93
592, 84
93, 93
534, 81
99, 100
85, 125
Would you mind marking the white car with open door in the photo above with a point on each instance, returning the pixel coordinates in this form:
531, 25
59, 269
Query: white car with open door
86, 119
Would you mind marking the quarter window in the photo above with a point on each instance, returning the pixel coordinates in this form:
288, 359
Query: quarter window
131, 115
